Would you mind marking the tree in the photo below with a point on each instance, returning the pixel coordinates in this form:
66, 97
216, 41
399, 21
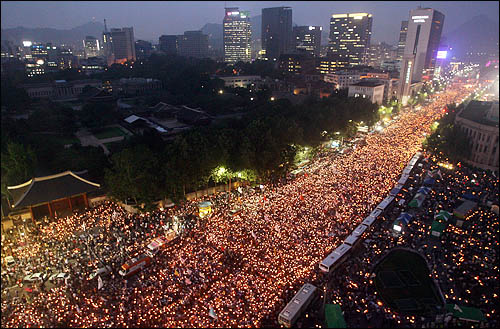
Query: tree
18, 165
135, 173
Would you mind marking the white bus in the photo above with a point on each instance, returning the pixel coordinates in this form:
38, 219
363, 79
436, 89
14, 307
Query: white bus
297, 305
335, 258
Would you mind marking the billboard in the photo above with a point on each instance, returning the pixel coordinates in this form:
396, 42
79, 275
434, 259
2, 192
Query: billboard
441, 54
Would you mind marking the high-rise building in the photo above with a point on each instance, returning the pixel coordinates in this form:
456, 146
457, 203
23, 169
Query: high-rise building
350, 36
193, 44
277, 32
379, 53
118, 45
402, 39
307, 39
123, 44
237, 36
422, 41
91, 46
169, 44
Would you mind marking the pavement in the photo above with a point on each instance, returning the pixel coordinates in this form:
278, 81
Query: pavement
88, 139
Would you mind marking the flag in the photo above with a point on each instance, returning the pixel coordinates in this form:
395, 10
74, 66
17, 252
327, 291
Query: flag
187, 281
301, 197
188, 271
202, 275
176, 272
99, 283
212, 313
254, 236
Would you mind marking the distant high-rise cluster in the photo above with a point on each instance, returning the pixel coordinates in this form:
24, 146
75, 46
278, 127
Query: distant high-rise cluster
237, 36
422, 41
277, 32
350, 36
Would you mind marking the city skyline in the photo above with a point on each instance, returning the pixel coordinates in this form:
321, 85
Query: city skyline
171, 17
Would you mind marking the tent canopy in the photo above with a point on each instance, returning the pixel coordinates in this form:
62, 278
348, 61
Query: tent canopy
424, 190
334, 317
438, 227
466, 313
405, 218
417, 200
443, 215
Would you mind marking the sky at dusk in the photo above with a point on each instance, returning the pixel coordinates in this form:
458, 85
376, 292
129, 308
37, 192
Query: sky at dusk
151, 19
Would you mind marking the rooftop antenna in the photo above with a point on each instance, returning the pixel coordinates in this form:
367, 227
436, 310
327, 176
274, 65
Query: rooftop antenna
105, 27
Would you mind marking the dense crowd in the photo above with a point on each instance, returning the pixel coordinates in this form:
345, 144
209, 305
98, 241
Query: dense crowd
463, 261
224, 270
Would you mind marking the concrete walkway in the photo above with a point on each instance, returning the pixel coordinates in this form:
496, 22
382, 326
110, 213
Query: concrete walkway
87, 139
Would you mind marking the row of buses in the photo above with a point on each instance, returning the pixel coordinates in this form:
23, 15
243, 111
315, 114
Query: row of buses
294, 309
138, 263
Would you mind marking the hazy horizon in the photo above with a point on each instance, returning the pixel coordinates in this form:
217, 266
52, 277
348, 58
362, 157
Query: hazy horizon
151, 19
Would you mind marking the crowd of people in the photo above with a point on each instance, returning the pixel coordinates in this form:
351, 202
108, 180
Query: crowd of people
463, 261
225, 270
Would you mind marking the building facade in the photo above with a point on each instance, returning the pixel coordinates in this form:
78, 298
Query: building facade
193, 44
379, 53
350, 36
371, 90
479, 121
307, 39
59, 89
331, 64
343, 79
276, 32
422, 41
119, 45
143, 49
402, 39
91, 47
241, 81
169, 44
237, 34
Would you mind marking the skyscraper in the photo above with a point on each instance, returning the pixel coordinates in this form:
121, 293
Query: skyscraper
118, 45
276, 31
237, 36
193, 44
307, 39
91, 46
123, 44
422, 41
350, 36
402, 39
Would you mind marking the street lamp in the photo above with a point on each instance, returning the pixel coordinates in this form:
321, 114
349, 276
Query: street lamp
272, 98
221, 91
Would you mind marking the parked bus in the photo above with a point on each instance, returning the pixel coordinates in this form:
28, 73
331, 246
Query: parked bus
135, 265
299, 303
335, 258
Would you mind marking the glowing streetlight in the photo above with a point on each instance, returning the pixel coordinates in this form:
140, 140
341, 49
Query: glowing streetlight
272, 98
221, 91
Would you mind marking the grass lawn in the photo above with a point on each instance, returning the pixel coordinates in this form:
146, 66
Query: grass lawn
403, 282
108, 133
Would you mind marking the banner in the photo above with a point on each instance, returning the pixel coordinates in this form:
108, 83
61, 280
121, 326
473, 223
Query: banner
212, 313
99, 283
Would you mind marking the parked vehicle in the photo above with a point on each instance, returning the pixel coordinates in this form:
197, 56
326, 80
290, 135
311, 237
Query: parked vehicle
134, 265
